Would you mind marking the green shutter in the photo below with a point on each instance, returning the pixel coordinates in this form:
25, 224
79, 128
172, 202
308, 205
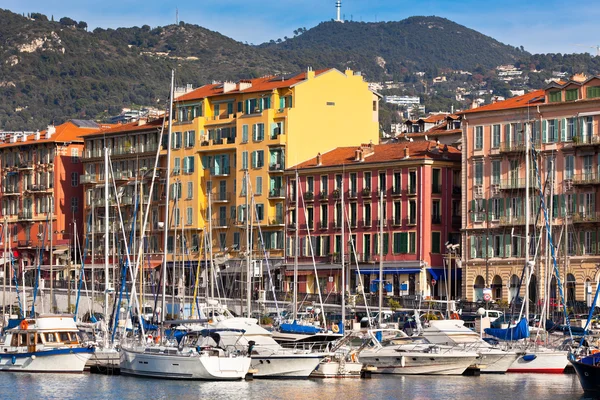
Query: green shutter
501, 254
507, 134
501, 207
473, 249
593, 249
563, 130
582, 250
403, 245
386, 243
489, 210
544, 131
507, 244
563, 208
435, 242
518, 212
555, 206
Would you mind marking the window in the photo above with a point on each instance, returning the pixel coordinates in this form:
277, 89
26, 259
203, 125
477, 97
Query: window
324, 182
593, 92
244, 160
244, 133
176, 216
258, 159
496, 172
412, 182
310, 218
353, 214
189, 138
436, 242
412, 212
397, 213
436, 184
74, 179
367, 180
386, 243
570, 128
397, 182
436, 212
496, 209
479, 173
189, 215
177, 166
495, 136
569, 166
310, 184
367, 214
190, 190
412, 242
260, 212
571, 94
176, 140
259, 185
478, 137
74, 205
382, 181
258, 132
555, 96
188, 164
324, 216
552, 130
400, 242
74, 156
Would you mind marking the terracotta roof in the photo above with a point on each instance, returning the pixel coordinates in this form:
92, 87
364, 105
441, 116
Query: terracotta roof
383, 153
70, 131
127, 128
532, 98
434, 133
434, 118
265, 83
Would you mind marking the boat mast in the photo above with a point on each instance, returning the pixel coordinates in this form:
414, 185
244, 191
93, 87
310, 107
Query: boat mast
4, 237
50, 256
380, 242
209, 249
342, 252
248, 250
93, 250
296, 249
106, 230
166, 225
527, 219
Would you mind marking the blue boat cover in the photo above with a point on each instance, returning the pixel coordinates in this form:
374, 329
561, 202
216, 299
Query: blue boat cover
519, 331
295, 327
13, 323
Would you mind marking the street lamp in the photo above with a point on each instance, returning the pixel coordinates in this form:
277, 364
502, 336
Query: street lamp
451, 250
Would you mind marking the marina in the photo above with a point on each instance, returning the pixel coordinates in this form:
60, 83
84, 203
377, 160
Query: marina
492, 387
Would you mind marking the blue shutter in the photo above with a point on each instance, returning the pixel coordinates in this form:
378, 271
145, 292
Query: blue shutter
563, 130
191, 163
282, 102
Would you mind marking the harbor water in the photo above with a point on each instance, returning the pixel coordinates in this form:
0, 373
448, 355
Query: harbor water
485, 387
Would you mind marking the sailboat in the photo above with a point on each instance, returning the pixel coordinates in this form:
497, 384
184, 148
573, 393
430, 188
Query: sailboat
192, 353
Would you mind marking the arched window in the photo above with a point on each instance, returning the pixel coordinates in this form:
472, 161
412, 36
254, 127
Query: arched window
478, 288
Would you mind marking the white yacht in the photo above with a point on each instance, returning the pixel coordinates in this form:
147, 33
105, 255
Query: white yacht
393, 352
201, 356
48, 343
452, 332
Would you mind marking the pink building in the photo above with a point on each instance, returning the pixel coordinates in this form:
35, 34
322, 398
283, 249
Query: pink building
421, 190
562, 122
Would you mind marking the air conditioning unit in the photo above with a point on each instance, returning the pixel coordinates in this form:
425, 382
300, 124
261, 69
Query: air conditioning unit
568, 184
478, 191
495, 190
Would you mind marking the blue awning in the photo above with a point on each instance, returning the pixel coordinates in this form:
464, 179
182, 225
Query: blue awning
390, 271
437, 273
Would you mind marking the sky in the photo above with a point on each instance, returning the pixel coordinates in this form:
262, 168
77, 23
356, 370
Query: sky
540, 26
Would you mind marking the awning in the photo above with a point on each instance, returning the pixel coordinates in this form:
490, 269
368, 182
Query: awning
59, 251
437, 273
291, 273
391, 271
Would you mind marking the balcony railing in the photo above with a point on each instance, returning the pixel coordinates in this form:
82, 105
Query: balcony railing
583, 217
586, 140
323, 195
276, 221
220, 197
352, 194
276, 167
516, 147
323, 225
366, 192
309, 196
396, 191
586, 178
223, 171
436, 219
26, 165
277, 193
516, 183
8, 190
87, 178
26, 214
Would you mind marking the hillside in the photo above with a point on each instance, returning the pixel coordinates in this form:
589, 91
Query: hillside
391, 49
51, 71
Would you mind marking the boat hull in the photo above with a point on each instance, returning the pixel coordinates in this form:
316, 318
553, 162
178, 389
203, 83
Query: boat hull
418, 363
55, 360
544, 362
589, 376
104, 360
184, 366
285, 365
495, 362
333, 369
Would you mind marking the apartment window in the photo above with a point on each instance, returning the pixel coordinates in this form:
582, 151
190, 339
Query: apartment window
397, 182
188, 164
176, 216
189, 138
258, 133
367, 180
74, 205
310, 184
569, 166
353, 214
397, 213
412, 182
495, 136
436, 212
496, 208
496, 172
478, 137
310, 218
552, 130
436, 242
367, 214
412, 212
190, 190
170, 244
324, 216
436, 184
400, 242
189, 216
324, 182
386, 243
259, 185
593, 92
176, 140
412, 242
177, 166
74, 179
571, 94
571, 128
258, 159
244, 160
555, 96
260, 212
244, 133
382, 185
479, 173
74, 156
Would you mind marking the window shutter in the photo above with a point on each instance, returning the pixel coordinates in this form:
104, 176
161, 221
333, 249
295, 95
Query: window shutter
501, 207
192, 137
593, 237
191, 164
501, 249
507, 245
489, 209
544, 131
581, 202
563, 130
473, 247
282, 102
248, 111
254, 130
507, 133
273, 129
254, 159
403, 237
581, 250
261, 128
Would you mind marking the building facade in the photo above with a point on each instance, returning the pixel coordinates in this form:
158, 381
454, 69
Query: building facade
421, 217
562, 124
42, 200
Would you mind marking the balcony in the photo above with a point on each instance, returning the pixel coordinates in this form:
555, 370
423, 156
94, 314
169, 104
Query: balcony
516, 183
585, 217
309, 196
587, 178
221, 197
277, 193
220, 223
42, 188
436, 219
25, 215
11, 191
352, 194
127, 200
87, 178
24, 243
513, 220
516, 147
221, 171
276, 221
323, 195
26, 165
586, 140
122, 175
396, 192
366, 193
335, 194
276, 167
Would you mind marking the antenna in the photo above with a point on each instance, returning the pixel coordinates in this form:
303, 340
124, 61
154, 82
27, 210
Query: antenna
176, 16
338, 7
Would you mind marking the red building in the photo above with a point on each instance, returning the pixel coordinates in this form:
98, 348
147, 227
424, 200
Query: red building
421, 196
41, 195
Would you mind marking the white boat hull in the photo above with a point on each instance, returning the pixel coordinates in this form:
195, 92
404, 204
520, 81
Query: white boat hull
104, 360
183, 366
493, 362
57, 360
333, 369
418, 363
545, 362
285, 365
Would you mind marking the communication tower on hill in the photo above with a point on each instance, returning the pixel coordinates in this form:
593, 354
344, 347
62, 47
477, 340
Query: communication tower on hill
338, 7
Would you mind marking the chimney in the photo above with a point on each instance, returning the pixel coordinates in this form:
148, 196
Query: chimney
310, 73
474, 104
228, 86
406, 152
51, 130
245, 84
359, 155
580, 77
318, 159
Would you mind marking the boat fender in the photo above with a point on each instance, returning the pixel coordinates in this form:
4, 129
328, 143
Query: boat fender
529, 357
33, 357
402, 362
335, 329
157, 339
198, 349
24, 325
353, 357
14, 360
454, 315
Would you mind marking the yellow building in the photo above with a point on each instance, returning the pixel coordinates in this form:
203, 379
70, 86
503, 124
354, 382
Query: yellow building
257, 128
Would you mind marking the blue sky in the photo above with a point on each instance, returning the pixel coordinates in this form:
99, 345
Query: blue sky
541, 26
